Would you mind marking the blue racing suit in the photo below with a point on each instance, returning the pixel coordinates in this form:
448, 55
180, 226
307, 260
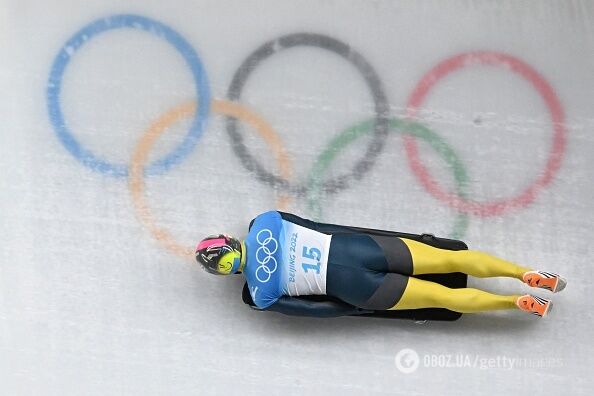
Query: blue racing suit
288, 257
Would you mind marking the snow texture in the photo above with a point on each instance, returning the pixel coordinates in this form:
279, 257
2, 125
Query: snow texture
96, 295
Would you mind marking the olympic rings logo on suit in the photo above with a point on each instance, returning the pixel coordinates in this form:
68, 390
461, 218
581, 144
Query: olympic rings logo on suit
379, 126
269, 255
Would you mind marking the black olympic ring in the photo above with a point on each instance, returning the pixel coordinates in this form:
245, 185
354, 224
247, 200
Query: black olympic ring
381, 105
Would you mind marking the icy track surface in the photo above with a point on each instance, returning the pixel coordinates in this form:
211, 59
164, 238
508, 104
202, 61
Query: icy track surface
468, 119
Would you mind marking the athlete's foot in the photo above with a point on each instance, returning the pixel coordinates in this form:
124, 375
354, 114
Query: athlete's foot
535, 305
544, 280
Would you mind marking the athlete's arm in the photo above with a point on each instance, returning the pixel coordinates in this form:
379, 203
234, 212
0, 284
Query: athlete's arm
296, 306
321, 227
346, 229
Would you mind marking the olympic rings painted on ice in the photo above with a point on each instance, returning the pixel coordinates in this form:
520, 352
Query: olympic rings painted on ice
315, 186
350, 135
339, 48
527, 196
160, 30
148, 139
269, 255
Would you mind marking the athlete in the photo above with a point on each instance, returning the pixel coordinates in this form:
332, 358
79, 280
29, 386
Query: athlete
284, 257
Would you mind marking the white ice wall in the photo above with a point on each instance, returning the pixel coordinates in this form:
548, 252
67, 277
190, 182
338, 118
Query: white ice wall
92, 303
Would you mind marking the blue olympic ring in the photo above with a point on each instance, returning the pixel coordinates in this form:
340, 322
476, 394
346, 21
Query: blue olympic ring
66, 137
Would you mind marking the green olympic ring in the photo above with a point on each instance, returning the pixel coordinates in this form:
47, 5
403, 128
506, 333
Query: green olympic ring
414, 129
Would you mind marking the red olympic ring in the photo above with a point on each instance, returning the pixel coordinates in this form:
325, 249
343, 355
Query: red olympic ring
444, 68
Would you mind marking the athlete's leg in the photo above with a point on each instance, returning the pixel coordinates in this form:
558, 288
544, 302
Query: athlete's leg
431, 260
424, 294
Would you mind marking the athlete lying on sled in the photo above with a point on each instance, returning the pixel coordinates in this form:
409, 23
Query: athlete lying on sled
286, 258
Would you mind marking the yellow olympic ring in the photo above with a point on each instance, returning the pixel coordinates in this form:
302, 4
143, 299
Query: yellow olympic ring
148, 139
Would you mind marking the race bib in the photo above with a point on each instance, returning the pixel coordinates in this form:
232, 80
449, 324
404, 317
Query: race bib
305, 255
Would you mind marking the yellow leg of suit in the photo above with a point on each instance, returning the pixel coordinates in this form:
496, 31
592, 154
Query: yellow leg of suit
424, 294
429, 260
